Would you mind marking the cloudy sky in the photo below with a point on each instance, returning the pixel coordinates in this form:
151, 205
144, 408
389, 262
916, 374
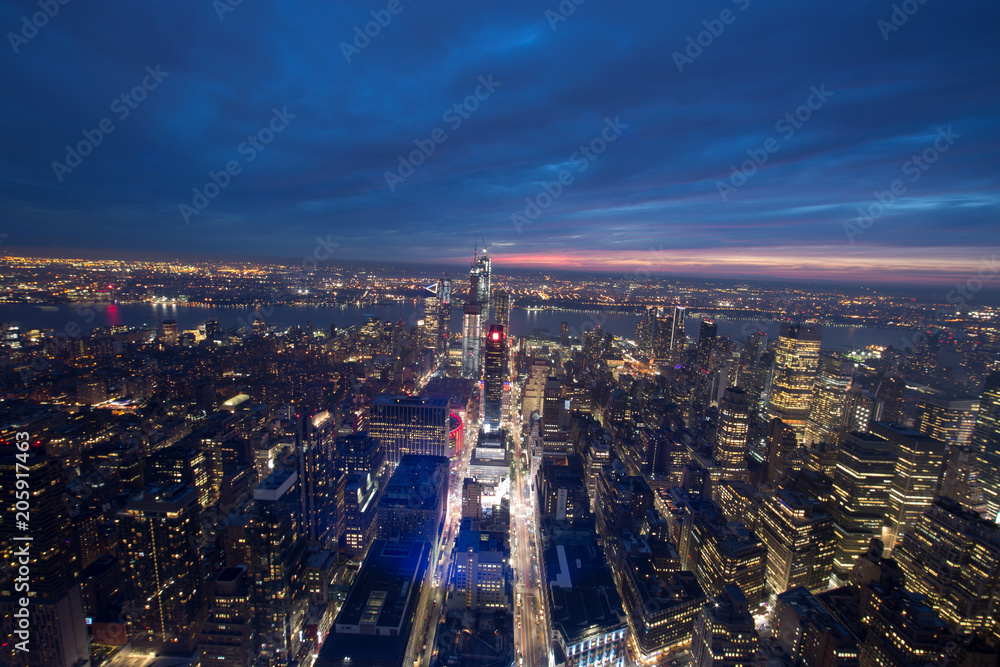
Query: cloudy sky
650, 112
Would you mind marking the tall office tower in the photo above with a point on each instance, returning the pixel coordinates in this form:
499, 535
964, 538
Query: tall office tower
57, 634
862, 410
564, 333
901, 629
276, 547
444, 322
678, 338
890, 393
552, 407
212, 329
503, 304
706, 342
180, 465
662, 329
915, 480
472, 499
865, 468
953, 557
644, 332
361, 490
950, 420
827, 413
961, 480
720, 552
781, 444
414, 503
410, 425
378, 617
752, 372
725, 634
432, 323
471, 340
478, 568
159, 530
731, 435
321, 485
986, 443
484, 285
796, 361
359, 452
800, 541
495, 380
228, 638
170, 335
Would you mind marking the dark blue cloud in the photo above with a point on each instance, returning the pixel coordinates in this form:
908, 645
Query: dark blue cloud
655, 186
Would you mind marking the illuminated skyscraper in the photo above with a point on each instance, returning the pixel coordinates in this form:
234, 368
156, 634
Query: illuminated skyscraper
276, 549
948, 419
320, 483
890, 394
919, 464
444, 322
706, 342
432, 322
503, 304
170, 334
795, 364
57, 635
410, 425
986, 443
495, 380
472, 325
678, 338
827, 413
484, 286
724, 632
800, 541
865, 468
160, 534
227, 638
731, 435
953, 557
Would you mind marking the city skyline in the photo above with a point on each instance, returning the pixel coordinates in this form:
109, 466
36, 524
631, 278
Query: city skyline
655, 192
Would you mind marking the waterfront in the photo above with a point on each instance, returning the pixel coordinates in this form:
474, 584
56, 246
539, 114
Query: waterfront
70, 320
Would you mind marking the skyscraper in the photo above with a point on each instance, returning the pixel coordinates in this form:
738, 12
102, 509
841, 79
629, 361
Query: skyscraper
986, 443
947, 418
800, 541
865, 468
484, 285
432, 322
320, 483
827, 413
678, 337
918, 468
471, 339
724, 632
731, 435
159, 529
410, 425
953, 557
706, 342
503, 304
444, 322
795, 364
494, 377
